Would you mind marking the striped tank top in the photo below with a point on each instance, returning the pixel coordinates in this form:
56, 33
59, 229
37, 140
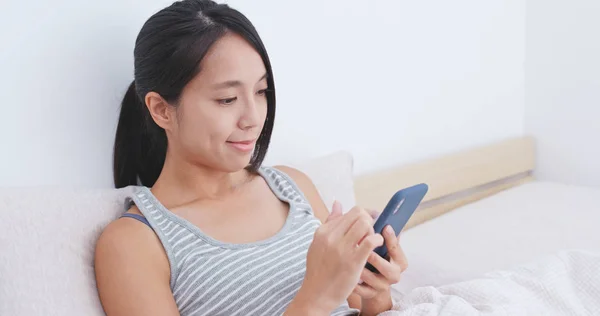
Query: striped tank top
209, 277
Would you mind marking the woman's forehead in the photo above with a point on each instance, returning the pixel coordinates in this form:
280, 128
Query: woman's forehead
232, 58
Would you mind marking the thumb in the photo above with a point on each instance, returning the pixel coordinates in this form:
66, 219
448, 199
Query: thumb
336, 211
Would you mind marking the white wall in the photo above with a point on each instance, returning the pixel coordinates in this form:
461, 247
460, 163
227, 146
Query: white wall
563, 88
64, 66
391, 81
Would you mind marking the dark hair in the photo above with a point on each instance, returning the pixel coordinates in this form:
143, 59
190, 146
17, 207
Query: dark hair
167, 55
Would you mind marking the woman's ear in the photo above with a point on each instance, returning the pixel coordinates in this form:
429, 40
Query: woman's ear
160, 110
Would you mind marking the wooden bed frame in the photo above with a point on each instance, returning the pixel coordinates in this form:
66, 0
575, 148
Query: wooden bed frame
454, 180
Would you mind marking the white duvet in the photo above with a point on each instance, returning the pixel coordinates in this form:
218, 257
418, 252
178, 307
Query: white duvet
567, 283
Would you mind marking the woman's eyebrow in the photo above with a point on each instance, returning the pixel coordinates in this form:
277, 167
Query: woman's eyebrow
265, 76
228, 84
235, 83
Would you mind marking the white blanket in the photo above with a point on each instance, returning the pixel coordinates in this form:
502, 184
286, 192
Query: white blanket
567, 283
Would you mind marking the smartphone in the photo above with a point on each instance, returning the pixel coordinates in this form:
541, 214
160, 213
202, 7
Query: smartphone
397, 212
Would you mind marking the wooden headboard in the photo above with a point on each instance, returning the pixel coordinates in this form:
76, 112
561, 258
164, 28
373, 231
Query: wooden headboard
454, 180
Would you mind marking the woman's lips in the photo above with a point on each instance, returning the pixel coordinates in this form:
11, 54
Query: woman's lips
243, 146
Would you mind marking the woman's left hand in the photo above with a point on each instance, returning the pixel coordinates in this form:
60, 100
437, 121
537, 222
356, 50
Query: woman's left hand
375, 290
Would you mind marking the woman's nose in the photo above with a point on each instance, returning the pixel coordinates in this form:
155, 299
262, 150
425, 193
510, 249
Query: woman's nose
250, 117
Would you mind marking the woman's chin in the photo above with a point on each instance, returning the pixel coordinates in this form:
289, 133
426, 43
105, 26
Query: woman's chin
237, 163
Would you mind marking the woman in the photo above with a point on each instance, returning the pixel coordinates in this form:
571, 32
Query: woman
217, 233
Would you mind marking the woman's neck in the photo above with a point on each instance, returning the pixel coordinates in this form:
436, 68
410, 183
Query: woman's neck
182, 182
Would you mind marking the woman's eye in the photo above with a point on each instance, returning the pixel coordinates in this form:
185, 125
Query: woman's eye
262, 92
227, 101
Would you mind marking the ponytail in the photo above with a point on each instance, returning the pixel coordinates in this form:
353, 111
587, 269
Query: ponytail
140, 144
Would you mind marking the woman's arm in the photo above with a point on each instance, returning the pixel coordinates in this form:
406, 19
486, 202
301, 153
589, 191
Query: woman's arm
132, 271
319, 208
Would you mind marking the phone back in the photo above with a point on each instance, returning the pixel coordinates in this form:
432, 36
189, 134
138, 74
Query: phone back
399, 210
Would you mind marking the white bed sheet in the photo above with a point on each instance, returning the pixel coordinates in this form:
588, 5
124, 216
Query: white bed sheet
511, 228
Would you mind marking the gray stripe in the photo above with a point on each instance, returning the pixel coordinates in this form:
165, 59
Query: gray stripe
245, 276
214, 274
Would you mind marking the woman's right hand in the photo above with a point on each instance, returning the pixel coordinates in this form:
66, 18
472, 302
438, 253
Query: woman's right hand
336, 258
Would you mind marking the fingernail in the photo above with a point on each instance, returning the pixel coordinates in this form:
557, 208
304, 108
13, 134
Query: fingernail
390, 230
336, 205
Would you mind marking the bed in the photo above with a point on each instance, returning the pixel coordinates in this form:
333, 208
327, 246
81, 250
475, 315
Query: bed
484, 212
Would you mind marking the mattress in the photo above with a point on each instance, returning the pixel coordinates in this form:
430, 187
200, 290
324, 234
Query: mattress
516, 226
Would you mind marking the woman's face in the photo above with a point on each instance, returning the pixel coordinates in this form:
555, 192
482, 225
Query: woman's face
222, 110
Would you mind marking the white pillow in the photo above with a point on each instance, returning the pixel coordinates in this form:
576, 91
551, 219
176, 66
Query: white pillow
333, 176
47, 241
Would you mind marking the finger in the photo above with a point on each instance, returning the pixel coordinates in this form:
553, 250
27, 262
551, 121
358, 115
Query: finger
365, 291
336, 211
369, 243
374, 213
395, 252
340, 224
376, 281
346, 220
391, 241
388, 270
358, 231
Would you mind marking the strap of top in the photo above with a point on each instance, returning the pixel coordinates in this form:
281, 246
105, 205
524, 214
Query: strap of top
283, 186
137, 217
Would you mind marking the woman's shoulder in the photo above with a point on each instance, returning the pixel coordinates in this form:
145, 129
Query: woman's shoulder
125, 233
296, 175
308, 188
128, 241
130, 264
124, 228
